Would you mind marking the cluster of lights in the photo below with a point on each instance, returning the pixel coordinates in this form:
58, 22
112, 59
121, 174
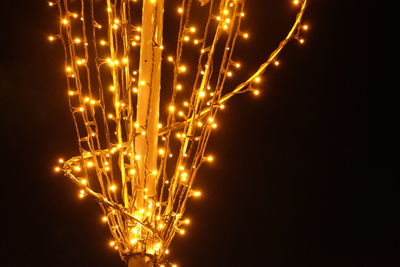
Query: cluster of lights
117, 164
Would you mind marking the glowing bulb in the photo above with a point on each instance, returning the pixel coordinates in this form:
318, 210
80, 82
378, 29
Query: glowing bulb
257, 79
170, 59
104, 218
256, 92
196, 193
184, 176
187, 221
182, 231
57, 169
180, 10
112, 243
171, 108
179, 87
210, 158
64, 21
237, 65
296, 2
51, 38
90, 164
276, 63
183, 68
245, 35
192, 29
113, 188
305, 27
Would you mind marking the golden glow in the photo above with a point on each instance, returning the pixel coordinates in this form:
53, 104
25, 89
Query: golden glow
113, 188
183, 68
196, 193
143, 191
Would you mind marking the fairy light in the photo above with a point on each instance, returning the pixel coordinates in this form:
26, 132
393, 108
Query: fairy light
109, 157
196, 193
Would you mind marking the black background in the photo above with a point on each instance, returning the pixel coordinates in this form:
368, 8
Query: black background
300, 179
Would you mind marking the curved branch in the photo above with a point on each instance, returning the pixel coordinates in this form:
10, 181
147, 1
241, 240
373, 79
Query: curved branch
100, 199
260, 70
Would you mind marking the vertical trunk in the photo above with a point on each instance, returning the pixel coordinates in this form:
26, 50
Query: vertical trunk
140, 261
149, 96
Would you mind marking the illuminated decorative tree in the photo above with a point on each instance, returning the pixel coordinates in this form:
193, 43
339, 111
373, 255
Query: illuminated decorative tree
140, 171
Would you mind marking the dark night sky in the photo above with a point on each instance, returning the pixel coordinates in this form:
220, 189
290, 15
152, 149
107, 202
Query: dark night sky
301, 179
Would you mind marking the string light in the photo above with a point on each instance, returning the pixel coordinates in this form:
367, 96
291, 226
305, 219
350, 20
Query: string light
110, 129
